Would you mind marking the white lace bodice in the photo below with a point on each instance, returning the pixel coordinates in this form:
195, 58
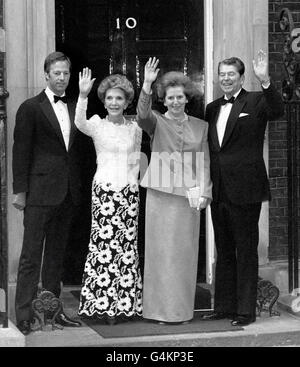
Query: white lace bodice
117, 147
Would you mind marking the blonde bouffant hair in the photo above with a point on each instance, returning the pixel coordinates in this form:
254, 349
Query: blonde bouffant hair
116, 81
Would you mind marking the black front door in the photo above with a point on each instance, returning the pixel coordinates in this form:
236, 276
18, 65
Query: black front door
112, 36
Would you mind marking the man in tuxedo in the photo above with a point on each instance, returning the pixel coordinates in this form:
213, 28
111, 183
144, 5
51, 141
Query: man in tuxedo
46, 185
237, 124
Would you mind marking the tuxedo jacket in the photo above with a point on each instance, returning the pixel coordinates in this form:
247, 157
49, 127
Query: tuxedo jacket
238, 163
42, 166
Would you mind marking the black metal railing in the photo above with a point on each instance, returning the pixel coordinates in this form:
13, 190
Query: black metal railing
293, 117
3, 192
3, 209
291, 95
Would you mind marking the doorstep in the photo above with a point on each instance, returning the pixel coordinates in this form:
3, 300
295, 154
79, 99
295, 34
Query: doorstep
11, 336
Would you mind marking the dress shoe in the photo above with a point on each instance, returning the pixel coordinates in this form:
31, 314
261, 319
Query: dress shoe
179, 323
24, 327
217, 316
173, 322
242, 320
64, 320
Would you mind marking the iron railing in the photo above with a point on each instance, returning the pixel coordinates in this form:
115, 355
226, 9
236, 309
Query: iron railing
3, 191
293, 117
3, 209
291, 95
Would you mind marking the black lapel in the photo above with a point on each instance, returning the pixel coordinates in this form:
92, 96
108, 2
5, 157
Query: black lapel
51, 117
234, 115
214, 133
71, 109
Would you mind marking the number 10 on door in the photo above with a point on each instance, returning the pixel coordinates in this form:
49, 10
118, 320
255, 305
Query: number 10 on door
129, 22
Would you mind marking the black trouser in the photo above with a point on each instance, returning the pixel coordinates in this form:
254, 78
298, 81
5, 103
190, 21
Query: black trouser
45, 227
236, 236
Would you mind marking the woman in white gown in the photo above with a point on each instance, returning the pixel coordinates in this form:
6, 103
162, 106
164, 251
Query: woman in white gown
112, 284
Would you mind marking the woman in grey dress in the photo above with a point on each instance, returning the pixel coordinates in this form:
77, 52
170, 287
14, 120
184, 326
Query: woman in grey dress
179, 165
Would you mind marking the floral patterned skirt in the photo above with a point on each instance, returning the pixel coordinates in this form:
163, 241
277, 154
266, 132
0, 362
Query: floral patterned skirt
112, 283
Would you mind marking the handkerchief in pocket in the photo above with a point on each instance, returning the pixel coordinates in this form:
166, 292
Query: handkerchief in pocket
243, 114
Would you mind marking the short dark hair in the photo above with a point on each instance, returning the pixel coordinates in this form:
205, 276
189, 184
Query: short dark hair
175, 79
116, 81
53, 58
235, 61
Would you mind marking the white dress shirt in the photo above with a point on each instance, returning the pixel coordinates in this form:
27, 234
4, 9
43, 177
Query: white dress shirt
61, 111
223, 118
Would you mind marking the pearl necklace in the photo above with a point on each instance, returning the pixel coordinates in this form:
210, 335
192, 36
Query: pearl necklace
180, 119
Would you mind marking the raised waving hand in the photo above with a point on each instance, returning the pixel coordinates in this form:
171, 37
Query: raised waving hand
260, 67
151, 72
85, 82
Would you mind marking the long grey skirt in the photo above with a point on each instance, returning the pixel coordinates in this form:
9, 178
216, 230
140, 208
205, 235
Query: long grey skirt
171, 257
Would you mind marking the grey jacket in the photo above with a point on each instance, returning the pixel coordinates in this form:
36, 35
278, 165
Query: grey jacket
180, 155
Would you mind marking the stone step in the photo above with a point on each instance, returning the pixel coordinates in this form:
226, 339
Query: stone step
11, 336
263, 340
283, 330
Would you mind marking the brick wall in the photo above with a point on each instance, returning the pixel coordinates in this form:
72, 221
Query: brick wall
278, 134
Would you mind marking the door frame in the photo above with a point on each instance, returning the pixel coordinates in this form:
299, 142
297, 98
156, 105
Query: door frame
209, 88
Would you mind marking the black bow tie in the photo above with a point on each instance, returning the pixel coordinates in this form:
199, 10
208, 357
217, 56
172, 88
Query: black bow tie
224, 101
58, 98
